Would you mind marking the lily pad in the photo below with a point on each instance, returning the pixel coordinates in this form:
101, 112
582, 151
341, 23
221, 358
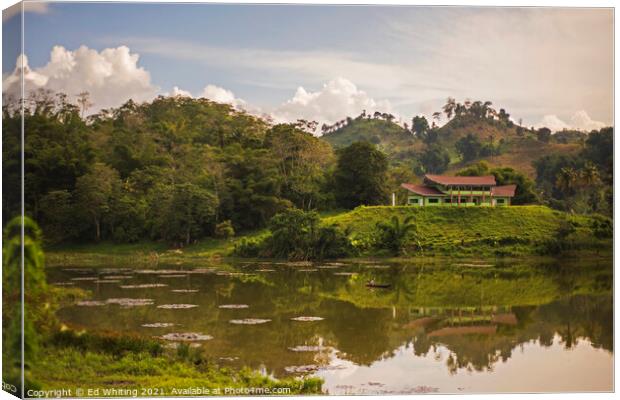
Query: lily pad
302, 369
308, 270
186, 337
144, 286
376, 266
249, 321
345, 273
107, 281
91, 303
124, 302
305, 348
118, 277
173, 276
265, 270
307, 319
63, 283
185, 290
234, 306
176, 306
229, 358
85, 278
201, 271
158, 325
328, 267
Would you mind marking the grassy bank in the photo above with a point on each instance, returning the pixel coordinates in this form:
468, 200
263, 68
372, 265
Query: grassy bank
441, 231
117, 363
508, 231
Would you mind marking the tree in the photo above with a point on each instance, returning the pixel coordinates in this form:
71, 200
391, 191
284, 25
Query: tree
469, 147
394, 235
302, 160
449, 107
420, 126
361, 176
186, 211
94, 192
543, 135
435, 159
83, 99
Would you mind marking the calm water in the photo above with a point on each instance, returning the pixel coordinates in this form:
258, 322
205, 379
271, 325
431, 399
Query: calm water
441, 327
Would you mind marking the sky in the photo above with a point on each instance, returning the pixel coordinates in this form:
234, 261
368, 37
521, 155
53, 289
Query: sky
546, 66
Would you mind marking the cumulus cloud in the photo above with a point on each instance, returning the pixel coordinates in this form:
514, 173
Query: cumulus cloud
579, 121
221, 95
217, 94
337, 99
176, 92
111, 76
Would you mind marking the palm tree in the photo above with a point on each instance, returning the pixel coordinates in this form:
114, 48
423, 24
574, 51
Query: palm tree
449, 107
394, 235
567, 179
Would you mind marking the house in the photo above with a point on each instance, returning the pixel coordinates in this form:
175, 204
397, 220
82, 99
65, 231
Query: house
439, 190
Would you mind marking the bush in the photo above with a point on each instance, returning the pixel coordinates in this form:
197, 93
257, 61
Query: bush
248, 248
224, 230
297, 235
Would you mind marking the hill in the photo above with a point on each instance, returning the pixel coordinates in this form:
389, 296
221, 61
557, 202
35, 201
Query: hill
397, 142
481, 231
517, 147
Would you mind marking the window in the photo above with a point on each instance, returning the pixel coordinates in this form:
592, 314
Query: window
433, 201
447, 200
500, 201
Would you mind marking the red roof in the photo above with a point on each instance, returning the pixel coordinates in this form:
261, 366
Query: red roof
507, 190
488, 180
422, 190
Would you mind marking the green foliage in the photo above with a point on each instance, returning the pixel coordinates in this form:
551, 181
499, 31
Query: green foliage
474, 231
435, 159
360, 176
224, 230
543, 135
394, 235
183, 212
37, 316
298, 235
469, 147
580, 183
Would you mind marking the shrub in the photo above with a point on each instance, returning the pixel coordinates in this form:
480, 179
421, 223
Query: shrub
224, 230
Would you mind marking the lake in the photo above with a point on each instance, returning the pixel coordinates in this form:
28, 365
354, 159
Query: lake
440, 327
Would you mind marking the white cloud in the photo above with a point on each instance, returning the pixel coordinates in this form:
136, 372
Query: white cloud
176, 92
111, 76
582, 121
221, 95
579, 121
336, 100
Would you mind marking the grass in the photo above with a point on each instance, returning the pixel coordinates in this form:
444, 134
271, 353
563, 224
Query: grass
469, 231
121, 363
442, 231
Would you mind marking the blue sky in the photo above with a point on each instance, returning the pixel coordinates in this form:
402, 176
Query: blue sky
535, 63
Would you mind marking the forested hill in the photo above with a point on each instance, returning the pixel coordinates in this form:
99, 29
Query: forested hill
391, 138
467, 137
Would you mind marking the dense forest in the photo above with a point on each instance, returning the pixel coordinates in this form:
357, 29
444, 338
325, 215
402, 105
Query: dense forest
178, 169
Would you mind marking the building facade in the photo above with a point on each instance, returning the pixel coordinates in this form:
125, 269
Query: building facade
459, 191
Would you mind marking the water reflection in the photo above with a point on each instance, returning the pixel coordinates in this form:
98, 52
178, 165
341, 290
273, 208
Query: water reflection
455, 327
